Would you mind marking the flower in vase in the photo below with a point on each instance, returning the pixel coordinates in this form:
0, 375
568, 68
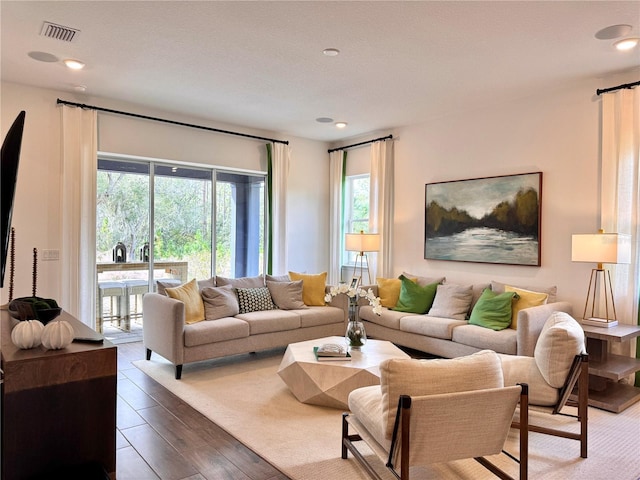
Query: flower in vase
354, 294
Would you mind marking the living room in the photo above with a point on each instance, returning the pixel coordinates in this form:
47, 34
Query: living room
551, 125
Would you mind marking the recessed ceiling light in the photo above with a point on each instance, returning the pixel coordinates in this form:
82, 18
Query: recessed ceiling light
331, 52
341, 124
613, 31
73, 64
43, 57
626, 44
324, 120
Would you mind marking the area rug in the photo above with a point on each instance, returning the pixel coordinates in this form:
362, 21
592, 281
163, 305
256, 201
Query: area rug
245, 396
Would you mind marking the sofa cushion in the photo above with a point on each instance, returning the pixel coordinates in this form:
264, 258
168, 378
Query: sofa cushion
560, 340
415, 298
242, 282
254, 299
493, 310
388, 318
223, 329
286, 295
552, 291
525, 299
313, 287
389, 290
190, 296
451, 301
502, 341
219, 302
268, 321
430, 377
315, 316
436, 327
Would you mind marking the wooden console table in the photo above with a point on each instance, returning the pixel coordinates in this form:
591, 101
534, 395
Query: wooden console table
58, 406
607, 369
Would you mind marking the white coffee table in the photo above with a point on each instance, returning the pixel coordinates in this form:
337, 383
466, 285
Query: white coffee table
329, 383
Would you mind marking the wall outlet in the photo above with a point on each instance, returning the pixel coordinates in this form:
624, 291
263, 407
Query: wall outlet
48, 255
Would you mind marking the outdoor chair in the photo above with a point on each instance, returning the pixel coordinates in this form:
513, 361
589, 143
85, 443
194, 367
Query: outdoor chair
434, 411
557, 375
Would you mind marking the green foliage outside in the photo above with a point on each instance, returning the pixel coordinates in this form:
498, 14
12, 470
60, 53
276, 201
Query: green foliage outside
519, 216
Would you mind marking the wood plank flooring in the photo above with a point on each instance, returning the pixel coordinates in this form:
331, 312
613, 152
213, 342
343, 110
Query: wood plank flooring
161, 437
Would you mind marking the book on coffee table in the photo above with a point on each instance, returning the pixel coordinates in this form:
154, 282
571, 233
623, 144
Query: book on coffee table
331, 352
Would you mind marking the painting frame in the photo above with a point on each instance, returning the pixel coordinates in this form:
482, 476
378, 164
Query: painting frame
355, 282
496, 220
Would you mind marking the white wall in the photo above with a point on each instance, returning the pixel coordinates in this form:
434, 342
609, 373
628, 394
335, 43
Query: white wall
37, 216
555, 132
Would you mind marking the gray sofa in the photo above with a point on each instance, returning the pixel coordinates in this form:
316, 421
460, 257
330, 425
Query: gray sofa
166, 333
450, 338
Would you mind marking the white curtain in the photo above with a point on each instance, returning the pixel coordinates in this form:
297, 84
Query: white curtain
381, 206
336, 205
78, 207
620, 177
280, 172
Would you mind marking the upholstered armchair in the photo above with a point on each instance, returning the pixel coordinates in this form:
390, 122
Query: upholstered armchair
557, 374
435, 411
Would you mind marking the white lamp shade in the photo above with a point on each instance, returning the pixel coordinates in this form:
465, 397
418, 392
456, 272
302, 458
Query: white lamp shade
362, 242
601, 248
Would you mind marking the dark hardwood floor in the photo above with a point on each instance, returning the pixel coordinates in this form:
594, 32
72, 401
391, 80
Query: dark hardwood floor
160, 437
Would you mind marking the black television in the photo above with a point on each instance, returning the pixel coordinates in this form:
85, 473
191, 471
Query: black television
8, 176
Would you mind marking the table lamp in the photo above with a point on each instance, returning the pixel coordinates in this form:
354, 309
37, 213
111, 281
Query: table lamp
362, 243
600, 248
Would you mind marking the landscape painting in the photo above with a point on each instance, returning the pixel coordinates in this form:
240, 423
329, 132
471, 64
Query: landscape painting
486, 220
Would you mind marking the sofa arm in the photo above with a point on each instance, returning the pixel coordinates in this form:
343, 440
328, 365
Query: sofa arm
163, 326
363, 301
530, 323
340, 301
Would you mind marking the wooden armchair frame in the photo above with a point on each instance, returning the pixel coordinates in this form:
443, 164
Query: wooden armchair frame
577, 379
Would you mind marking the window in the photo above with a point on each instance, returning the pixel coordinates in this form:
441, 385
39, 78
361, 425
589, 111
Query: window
356, 206
211, 219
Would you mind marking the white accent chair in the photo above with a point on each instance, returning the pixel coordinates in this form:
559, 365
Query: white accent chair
558, 368
435, 411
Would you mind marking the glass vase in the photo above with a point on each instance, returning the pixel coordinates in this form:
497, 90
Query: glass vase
355, 335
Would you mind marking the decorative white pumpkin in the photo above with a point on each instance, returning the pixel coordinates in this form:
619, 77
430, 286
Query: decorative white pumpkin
57, 334
27, 334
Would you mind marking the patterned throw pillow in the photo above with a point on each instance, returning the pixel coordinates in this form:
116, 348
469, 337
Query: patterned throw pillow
254, 299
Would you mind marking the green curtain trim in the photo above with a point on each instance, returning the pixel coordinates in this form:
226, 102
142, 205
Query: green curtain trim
269, 210
342, 199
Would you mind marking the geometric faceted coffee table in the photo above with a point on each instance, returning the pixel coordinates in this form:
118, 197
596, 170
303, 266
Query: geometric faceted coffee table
329, 383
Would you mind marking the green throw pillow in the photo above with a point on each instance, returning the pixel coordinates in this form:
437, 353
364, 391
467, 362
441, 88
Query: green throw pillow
414, 298
493, 310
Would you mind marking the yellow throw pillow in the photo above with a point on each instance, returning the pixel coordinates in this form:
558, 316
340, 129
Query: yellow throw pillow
313, 287
189, 294
389, 290
527, 299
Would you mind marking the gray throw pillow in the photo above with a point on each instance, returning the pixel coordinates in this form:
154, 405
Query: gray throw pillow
242, 282
452, 301
287, 295
220, 302
162, 285
424, 281
254, 299
278, 278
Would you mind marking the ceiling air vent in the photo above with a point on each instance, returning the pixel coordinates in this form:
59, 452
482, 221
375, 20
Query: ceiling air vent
59, 32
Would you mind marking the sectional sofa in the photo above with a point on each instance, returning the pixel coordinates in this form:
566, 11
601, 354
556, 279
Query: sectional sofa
235, 319
451, 334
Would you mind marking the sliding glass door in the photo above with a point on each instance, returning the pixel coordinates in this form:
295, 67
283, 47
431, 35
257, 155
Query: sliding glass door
202, 221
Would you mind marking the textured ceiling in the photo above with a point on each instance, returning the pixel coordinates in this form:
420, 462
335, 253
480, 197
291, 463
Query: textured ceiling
260, 64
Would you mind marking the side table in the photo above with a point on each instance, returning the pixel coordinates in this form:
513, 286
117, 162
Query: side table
606, 369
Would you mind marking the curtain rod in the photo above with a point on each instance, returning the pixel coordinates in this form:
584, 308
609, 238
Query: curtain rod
173, 122
388, 137
619, 87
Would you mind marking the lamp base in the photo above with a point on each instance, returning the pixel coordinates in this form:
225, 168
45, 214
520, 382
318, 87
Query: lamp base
599, 322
